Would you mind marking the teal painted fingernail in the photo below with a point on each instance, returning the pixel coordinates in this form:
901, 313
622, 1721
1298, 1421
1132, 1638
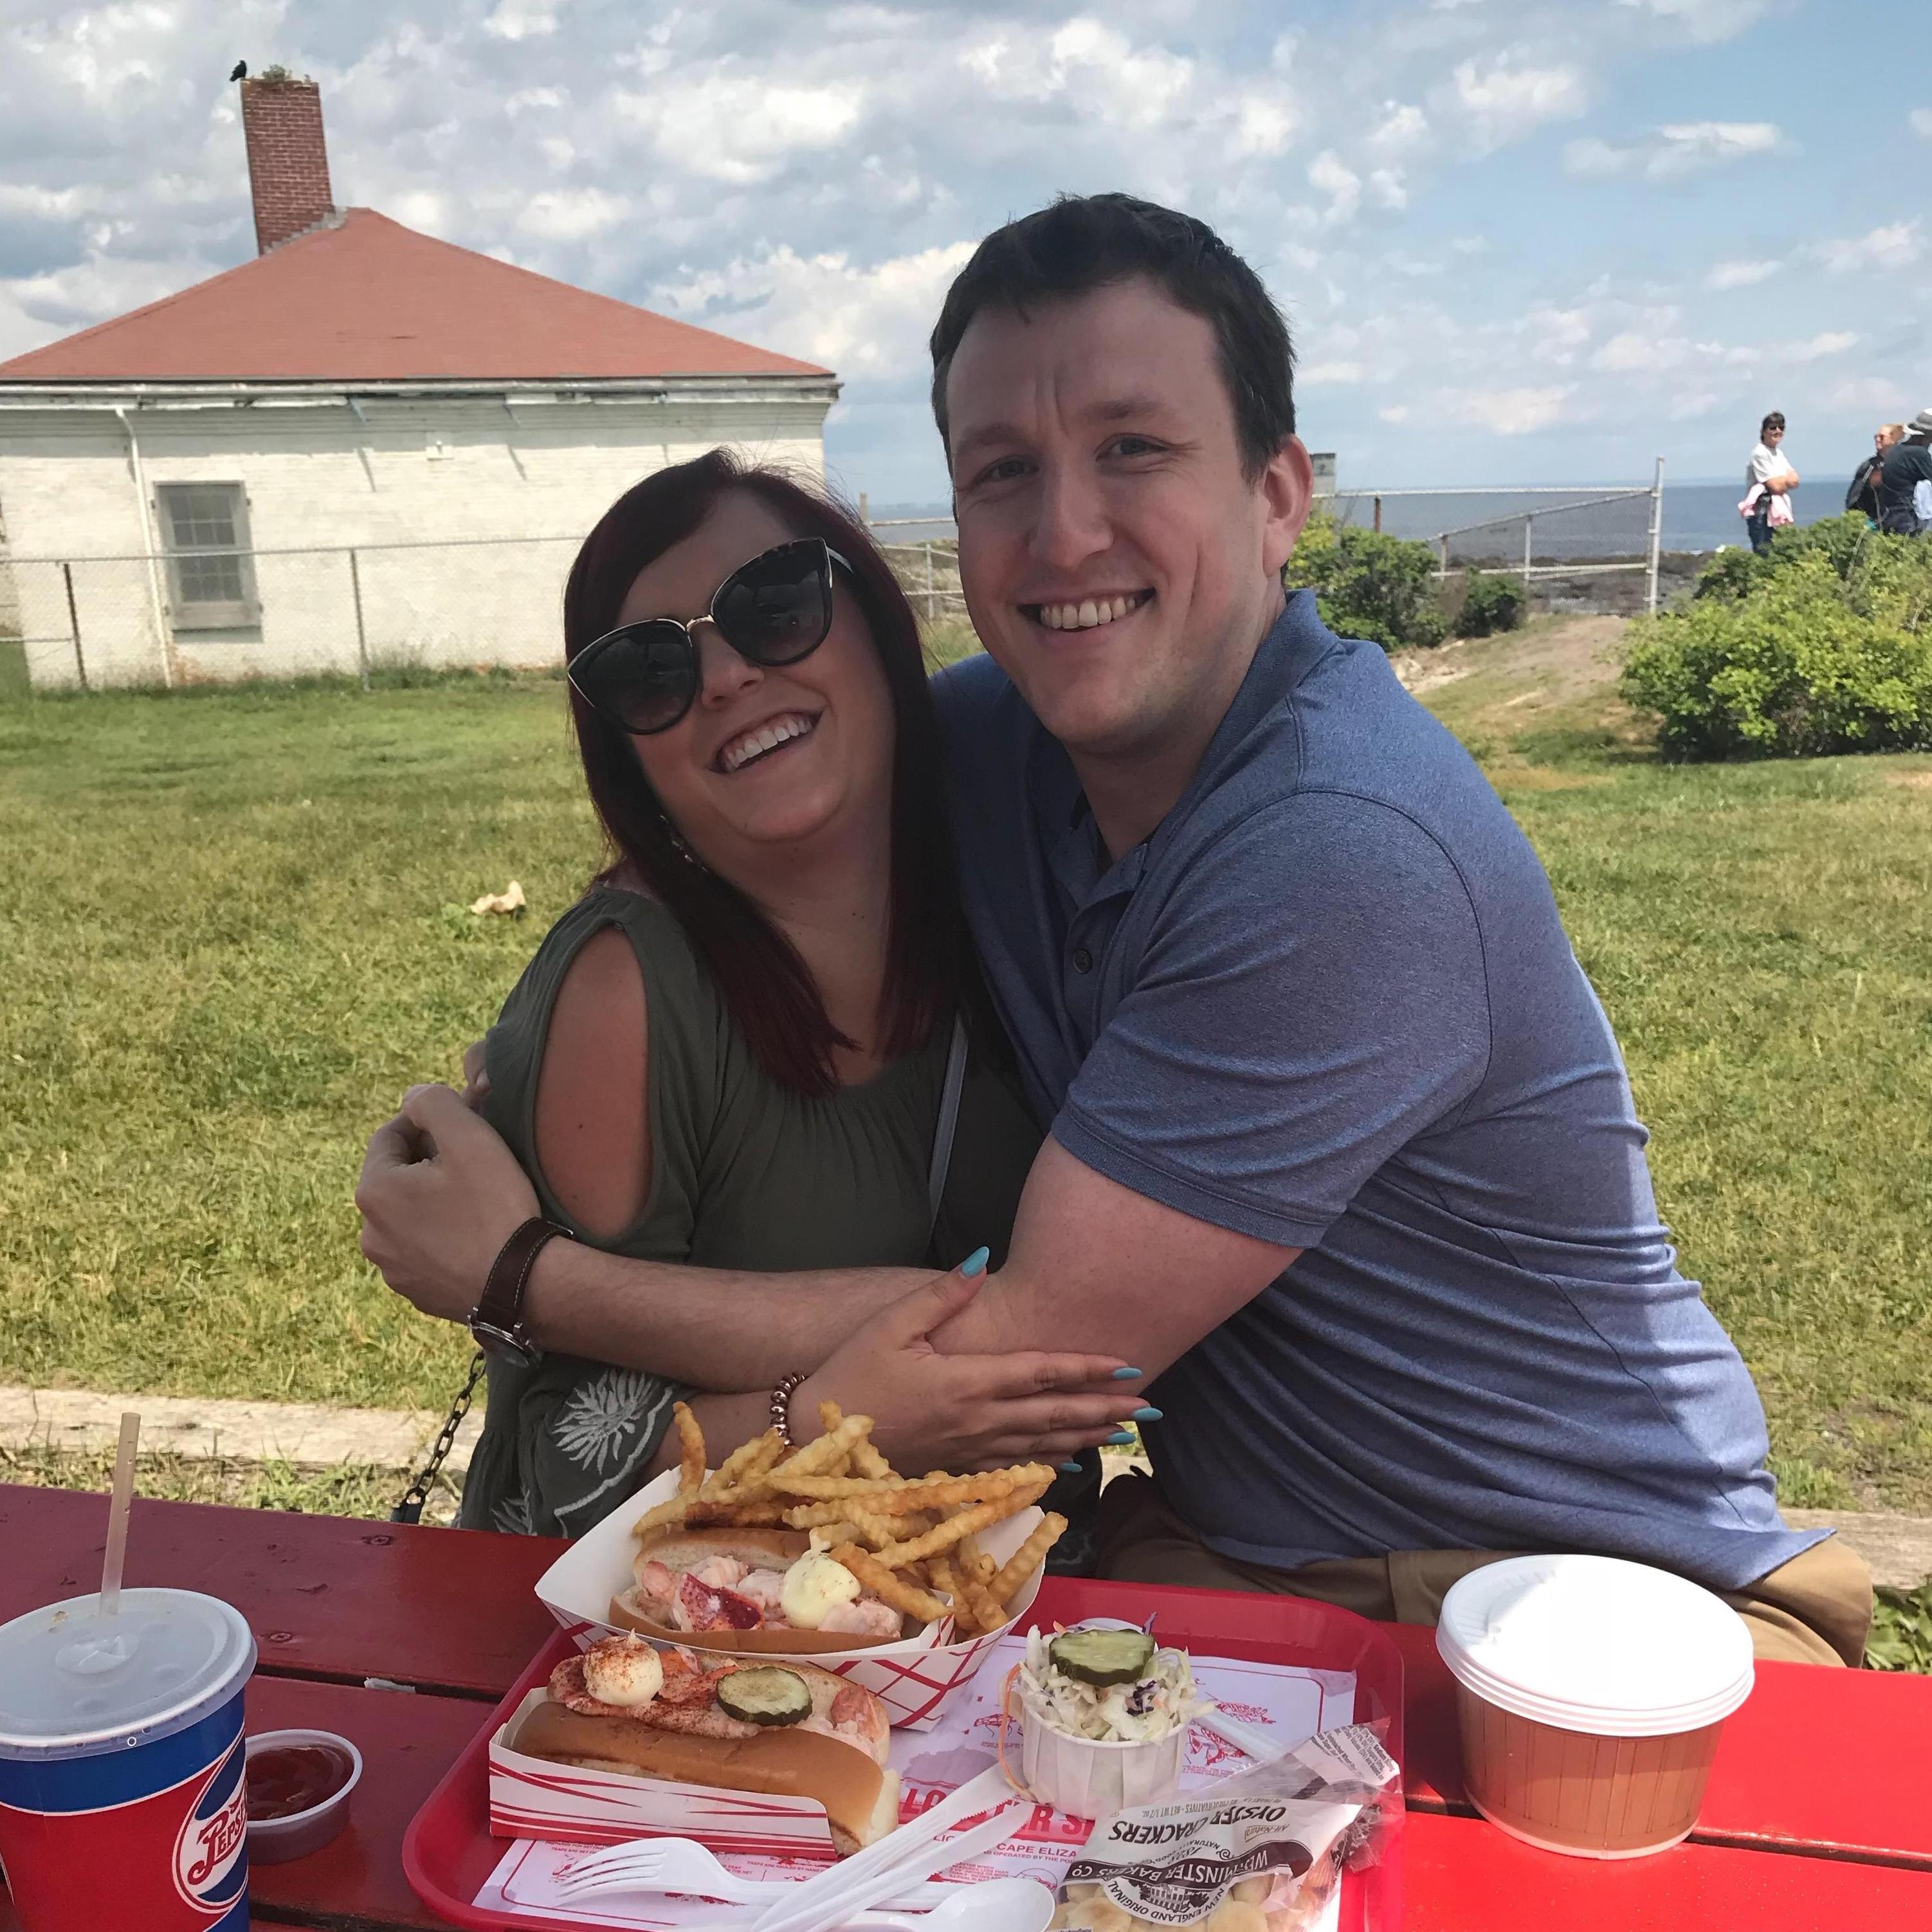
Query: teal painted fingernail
1146, 1415
1126, 1374
1119, 1438
976, 1262
1070, 1469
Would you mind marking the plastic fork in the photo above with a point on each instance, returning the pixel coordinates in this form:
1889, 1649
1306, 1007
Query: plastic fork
683, 1865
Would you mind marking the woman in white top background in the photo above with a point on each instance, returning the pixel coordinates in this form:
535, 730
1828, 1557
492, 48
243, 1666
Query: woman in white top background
1770, 476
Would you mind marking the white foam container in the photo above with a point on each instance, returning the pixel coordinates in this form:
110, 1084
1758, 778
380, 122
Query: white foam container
1597, 1645
914, 1679
1592, 1694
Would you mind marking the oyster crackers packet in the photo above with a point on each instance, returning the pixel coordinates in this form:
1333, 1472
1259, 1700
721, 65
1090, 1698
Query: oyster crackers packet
1260, 1852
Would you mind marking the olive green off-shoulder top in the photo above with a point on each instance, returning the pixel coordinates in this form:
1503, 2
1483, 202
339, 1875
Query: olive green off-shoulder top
745, 1173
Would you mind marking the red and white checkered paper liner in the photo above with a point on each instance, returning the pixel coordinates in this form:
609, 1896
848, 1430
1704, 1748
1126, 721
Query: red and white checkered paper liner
914, 1679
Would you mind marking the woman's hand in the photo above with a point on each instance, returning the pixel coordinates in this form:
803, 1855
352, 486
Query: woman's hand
931, 1410
439, 1195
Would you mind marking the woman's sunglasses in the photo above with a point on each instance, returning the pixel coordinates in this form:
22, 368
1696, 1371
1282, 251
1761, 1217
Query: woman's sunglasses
774, 611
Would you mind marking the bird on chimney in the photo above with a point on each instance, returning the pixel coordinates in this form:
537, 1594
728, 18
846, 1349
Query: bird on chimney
240, 71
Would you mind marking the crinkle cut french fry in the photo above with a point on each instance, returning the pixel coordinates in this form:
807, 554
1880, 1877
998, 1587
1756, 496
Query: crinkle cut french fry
830, 1488
876, 1577
866, 1461
690, 1452
655, 1518
950, 1492
830, 1415
1025, 1560
699, 1514
816, 1458
726, 1477
967, 1522
817, 1515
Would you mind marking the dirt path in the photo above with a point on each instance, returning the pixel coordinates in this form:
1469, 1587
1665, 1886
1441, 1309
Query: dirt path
1558, 658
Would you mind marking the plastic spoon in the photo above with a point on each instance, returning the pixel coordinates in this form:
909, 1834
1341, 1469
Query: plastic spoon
993, 1905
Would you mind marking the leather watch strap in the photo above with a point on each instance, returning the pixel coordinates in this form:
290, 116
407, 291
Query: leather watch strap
497, 1320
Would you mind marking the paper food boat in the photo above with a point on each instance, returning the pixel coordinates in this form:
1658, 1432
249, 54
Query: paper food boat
531, 1797
914, 1679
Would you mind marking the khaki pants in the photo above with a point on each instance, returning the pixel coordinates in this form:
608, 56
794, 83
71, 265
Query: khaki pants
1816, 1608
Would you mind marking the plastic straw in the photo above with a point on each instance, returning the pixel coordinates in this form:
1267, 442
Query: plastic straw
117, 1513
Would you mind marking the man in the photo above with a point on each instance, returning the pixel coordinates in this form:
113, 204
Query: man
1905, 509
1861, 497
1341, 1152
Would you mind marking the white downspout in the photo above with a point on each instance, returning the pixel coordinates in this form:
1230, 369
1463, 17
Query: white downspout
148, 543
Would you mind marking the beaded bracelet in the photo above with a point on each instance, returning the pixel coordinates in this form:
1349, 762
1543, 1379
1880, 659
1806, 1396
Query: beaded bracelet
781, 1407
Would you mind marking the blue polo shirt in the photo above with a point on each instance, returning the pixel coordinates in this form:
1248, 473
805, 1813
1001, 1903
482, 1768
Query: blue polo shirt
1329, 1003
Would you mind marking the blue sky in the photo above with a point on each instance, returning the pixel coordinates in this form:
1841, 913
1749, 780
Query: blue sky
1519, 241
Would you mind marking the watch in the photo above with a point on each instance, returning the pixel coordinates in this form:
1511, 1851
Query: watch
496, 1321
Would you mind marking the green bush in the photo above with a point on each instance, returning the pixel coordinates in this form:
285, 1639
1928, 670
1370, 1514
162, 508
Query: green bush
1368, 585
1736, 574
1823, 645
1490, 604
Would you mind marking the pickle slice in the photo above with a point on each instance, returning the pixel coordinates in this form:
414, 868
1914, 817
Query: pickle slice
1102, 1657
769, 1695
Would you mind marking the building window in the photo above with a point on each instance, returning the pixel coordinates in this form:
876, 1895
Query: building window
210, 572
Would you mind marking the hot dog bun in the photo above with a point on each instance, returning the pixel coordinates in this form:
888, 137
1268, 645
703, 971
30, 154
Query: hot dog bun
682, 1550
861, 1796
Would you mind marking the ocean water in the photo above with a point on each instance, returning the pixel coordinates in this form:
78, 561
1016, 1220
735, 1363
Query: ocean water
1697, 517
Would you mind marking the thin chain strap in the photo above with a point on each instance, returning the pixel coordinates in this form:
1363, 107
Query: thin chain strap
410, 1509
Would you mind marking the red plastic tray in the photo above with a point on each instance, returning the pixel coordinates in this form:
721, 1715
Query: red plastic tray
448, 1852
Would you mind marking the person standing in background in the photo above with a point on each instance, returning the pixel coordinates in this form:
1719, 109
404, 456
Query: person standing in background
1862, 496
1769, 479
1905, 481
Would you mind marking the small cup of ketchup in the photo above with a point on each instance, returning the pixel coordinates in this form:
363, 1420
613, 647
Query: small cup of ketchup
299, 1787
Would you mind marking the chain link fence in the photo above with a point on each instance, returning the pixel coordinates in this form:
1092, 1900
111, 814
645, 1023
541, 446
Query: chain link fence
186, 616
1581, 548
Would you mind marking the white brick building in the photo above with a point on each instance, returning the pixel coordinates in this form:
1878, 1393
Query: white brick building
366, 445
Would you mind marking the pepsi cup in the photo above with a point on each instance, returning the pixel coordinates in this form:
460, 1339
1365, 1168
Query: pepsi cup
124, 1798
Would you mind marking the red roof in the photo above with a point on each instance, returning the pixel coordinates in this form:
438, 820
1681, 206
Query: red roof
370, 301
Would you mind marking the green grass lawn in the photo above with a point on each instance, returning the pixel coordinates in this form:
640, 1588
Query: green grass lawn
231, 934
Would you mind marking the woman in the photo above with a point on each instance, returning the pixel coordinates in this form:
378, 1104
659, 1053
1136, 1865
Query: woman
1769, 479
733, 1051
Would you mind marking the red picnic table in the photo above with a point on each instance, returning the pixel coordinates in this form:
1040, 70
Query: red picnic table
1819, 1813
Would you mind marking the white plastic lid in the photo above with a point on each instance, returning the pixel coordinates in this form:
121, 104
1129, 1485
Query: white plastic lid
1595, 1644
74, 1682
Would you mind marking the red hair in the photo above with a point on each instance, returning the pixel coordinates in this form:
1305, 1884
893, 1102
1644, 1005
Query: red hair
765, 985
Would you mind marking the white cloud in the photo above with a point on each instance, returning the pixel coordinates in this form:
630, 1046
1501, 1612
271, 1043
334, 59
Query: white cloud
1633, 351
740, 128
1706, 19
1920, 121
1678, 148
1739, 274
1507, 412
571, 214
1402, 130
1831, 342
1896, 245
1506, 100
1328, 375
1397, 413
521, 20
863, 321
1327, 175
1875, 396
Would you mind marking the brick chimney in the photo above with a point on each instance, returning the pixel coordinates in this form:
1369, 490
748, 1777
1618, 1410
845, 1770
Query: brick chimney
288, 165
